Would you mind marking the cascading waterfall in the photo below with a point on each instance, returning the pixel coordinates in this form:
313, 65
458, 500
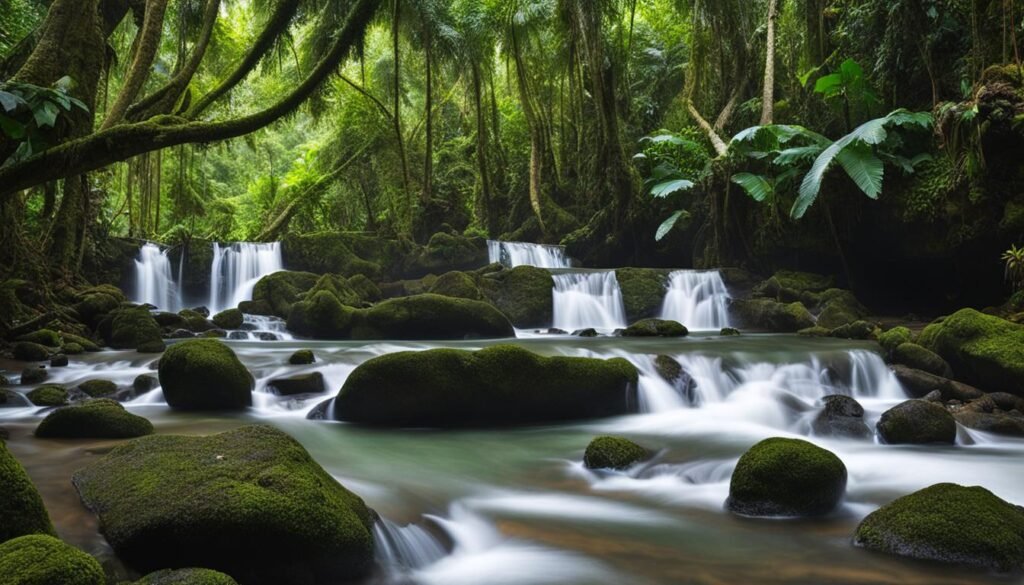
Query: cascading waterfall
237, 268
514, 254
154, 282
697, 299
588, 299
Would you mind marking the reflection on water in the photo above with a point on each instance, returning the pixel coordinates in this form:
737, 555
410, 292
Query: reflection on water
515, 506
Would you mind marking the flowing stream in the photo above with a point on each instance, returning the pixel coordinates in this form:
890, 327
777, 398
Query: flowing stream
514, 254
697, 299
515, 506
590, 299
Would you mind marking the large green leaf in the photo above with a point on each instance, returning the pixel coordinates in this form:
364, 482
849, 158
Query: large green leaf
758, 187
46, 115
669, 187
866, 169
667, 225
797, 154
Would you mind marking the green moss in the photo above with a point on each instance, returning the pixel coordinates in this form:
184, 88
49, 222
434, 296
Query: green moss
431, 317
855, 330
502, 384
643, 291
97, 419
984, 350
786, 477
229, 319
281, 290
27, 351
366, 289
333, 252
87, 344
21, 508
34, 375
804, 281
195, 321
655, 328
98, 388
73, 349
93, 307
49, 395
321, 316
458, 285
249, 502
613, 453
815, 331
917, 422
445, 252
44, 560
895, 337
770, 315
917, 357
949, 523
186, 577
204, 374
130, 328
45, 337
729, 332
668, 368
302, 357
523, 294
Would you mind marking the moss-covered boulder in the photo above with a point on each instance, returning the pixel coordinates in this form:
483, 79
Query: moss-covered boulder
186, 577
21, 508
893, 338
856, 330
431, 317
838, 307
98, 388
73, 348
131, 328
786, 477
613, 453
46, 337
87, 344
841, 416
445, 252
58, 360
311, 383
655, 328
984, 350
729, 332
949, 523
523, 294
321, 316
771, 315
204, 374
282, 289
43, 560
96, 419
249, 502
790, 285
195, 321
26, 351
917, 422
458, 285
643, 291
229, 319
302, 357
914, 356
144, 383
93, 307
34, 375
502, 384
49, 395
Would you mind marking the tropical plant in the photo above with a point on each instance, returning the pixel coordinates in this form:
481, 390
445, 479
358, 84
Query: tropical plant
1013, 260
29, 111
676, 161
849, 88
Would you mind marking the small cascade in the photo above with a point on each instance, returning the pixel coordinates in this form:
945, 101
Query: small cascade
588, 299
697, 299
405, 547
514, 254
261, 328
237, 268
154, 282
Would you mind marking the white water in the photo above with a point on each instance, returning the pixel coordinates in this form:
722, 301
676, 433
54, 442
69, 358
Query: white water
514, 254
154, 282
401, 548
237, 268
697, 299
588, 299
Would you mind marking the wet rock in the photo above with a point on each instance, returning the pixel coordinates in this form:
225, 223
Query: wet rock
229, 319
195, 321
729, 332
919, 383
523, 294
144, 383
131, 328
49, 395
655, 328
26, 351
984, 350
919, 358
170, 320
457, 285
643, 291
186, 577
59, 361
311, 383
34, 375
98, 388
933, 396
841, 416
21, 506
181, 334
613, 453
998, 413
302, 357
214, 334
786, 477
73, 348
204, 374
917, 422
102, 418
238, 335
46, 337
771, 315
857, 330
589, 332
951, 524
266, 336
11, 399
202, 311
40, 559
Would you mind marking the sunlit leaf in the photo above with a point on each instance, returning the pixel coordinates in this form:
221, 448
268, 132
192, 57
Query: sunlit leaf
667, 225
758, 187
669, 187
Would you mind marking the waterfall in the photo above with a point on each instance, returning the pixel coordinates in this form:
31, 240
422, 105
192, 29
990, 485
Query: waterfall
237, 268
154, 282
514, 254
697, 299
405, 547
588, 299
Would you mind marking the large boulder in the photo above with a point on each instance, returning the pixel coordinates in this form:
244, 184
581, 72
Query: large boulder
893, 338
204, 374
786, 477
98, 388
613, 453
920, 383
841, 416
949, 523
917, 422
96, 419
229, 319
458, 285
186, 577
49, 395
302, 357
771, 315
643, 291
502, 384
984, 350
249, 502
445, 252
655, 328
281, 290
43, 560
47, 337
523, 294
311, 383
26, 351
132, 328
914, 356
998, 413
21, 508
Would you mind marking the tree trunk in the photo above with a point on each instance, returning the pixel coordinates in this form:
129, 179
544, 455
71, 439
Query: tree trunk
481, 154
149, 43
428, 159
396, 110
768, 97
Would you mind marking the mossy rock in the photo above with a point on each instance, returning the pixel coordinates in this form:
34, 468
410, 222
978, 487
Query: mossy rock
430, 317
311, 383
45, 337
333, 252
250, 503
998, 412
49, 395
96, 419
27, 351
917, 422
86, 343
949, 523
43, 560
920, 358
73, 349
893, 338
770, 315
21, 506
367, 290
643, 291
786, 477
229, 319
815, 331
302, 357
204, 374
655, 328
282, 289
445, 252
458, 285
729, 332
842, 417
34, 375
195, 321
169, 320
93, 307
144, 383
984, 350
186, 577
11, 399
98, 388
154, 346
321, 316
613, 453
523, 294
919, 383
131, 328
502, 384
801, 282
857, 330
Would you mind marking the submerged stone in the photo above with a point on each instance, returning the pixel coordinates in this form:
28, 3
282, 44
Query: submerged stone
917, 422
